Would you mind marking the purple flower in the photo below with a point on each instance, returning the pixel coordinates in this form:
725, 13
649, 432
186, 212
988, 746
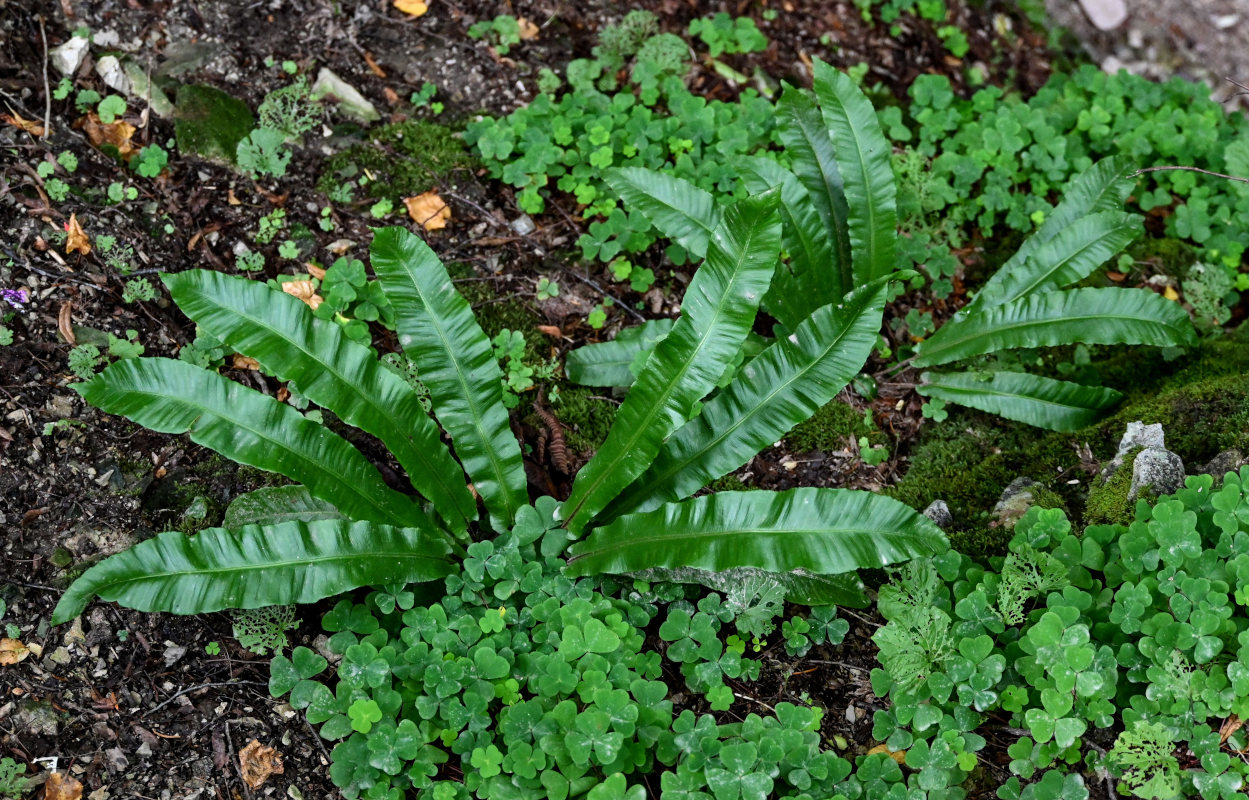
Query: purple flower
15, 297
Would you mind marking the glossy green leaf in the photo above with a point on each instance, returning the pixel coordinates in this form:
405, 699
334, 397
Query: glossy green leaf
281, 333
607, 363
812, 157
716, 315
1088, 316
811, 279
256, 566
781, 387
680, 210
1043, 402
1102, 187
248, 427
1071, 255
438, 331
800, 587
270, 505
863, 155
821, 531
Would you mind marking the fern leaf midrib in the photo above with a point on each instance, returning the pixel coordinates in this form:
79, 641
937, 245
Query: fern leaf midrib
772, 531
382, 418
656, 408
677, 468
1015, 395
192, 429
471, 400
270, 565
926, 359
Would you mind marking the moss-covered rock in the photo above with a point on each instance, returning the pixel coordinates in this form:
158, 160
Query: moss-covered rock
586, 415
1107, 502
210, 123
403, 159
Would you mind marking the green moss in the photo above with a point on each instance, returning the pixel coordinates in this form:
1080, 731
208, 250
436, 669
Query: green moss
1171, 256
586, 415
1107, 503
210, 123
830, 428
403, 158
729, 483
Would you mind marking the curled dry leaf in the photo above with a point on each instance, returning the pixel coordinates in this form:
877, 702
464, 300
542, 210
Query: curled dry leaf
65, 323
116, 134
314, 271
413, 8
897, 755
551, 330
12, 651
428, 210
61, 786
76, 240
245, 362
305, 291
30, 126
528, 30
257, 762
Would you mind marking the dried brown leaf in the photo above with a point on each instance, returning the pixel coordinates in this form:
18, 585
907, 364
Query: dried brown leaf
12, 651
30, 126
257, 762
65, 324
77, 238
62, 787
528, 30
117, 134
428, 210
245, 362
305, 291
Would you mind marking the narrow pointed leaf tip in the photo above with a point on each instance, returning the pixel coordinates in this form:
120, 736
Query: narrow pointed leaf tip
717, 313
439, 333
822, 531
256, 566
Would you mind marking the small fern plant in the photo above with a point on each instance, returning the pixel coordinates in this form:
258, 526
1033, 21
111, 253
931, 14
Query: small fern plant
343, 527
839, 214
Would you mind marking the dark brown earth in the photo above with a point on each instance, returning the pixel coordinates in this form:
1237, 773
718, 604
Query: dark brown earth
134, 705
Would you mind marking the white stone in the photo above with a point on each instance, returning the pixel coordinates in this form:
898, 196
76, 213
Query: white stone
1105, 14
67, 58
350, 101
111, 72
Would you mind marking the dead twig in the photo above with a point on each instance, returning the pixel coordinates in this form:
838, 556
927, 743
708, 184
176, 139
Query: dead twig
47, 87
1143, 170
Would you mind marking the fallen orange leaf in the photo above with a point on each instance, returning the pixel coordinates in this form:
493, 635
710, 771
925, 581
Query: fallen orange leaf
77, 239
62, 787
551, 330
245, 362
1171, 294
12, 651
117, 134
30, 126
527, 29
258, 762
428, 210
414, 8
897, 755
305, 291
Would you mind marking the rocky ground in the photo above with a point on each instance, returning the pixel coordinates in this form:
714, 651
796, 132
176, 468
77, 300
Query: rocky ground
157, 706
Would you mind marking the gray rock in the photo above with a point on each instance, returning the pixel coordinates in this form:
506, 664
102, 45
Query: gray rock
1160, 470
1105, 14
1225, 462
939, 512
1016, 499
67, 58
1138, 435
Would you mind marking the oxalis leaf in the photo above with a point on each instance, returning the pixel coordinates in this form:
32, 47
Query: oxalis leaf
718, 310
255, 566
821, 531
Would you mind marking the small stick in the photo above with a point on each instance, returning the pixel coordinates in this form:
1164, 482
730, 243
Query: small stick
47, 87
188, 690
1189, 169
